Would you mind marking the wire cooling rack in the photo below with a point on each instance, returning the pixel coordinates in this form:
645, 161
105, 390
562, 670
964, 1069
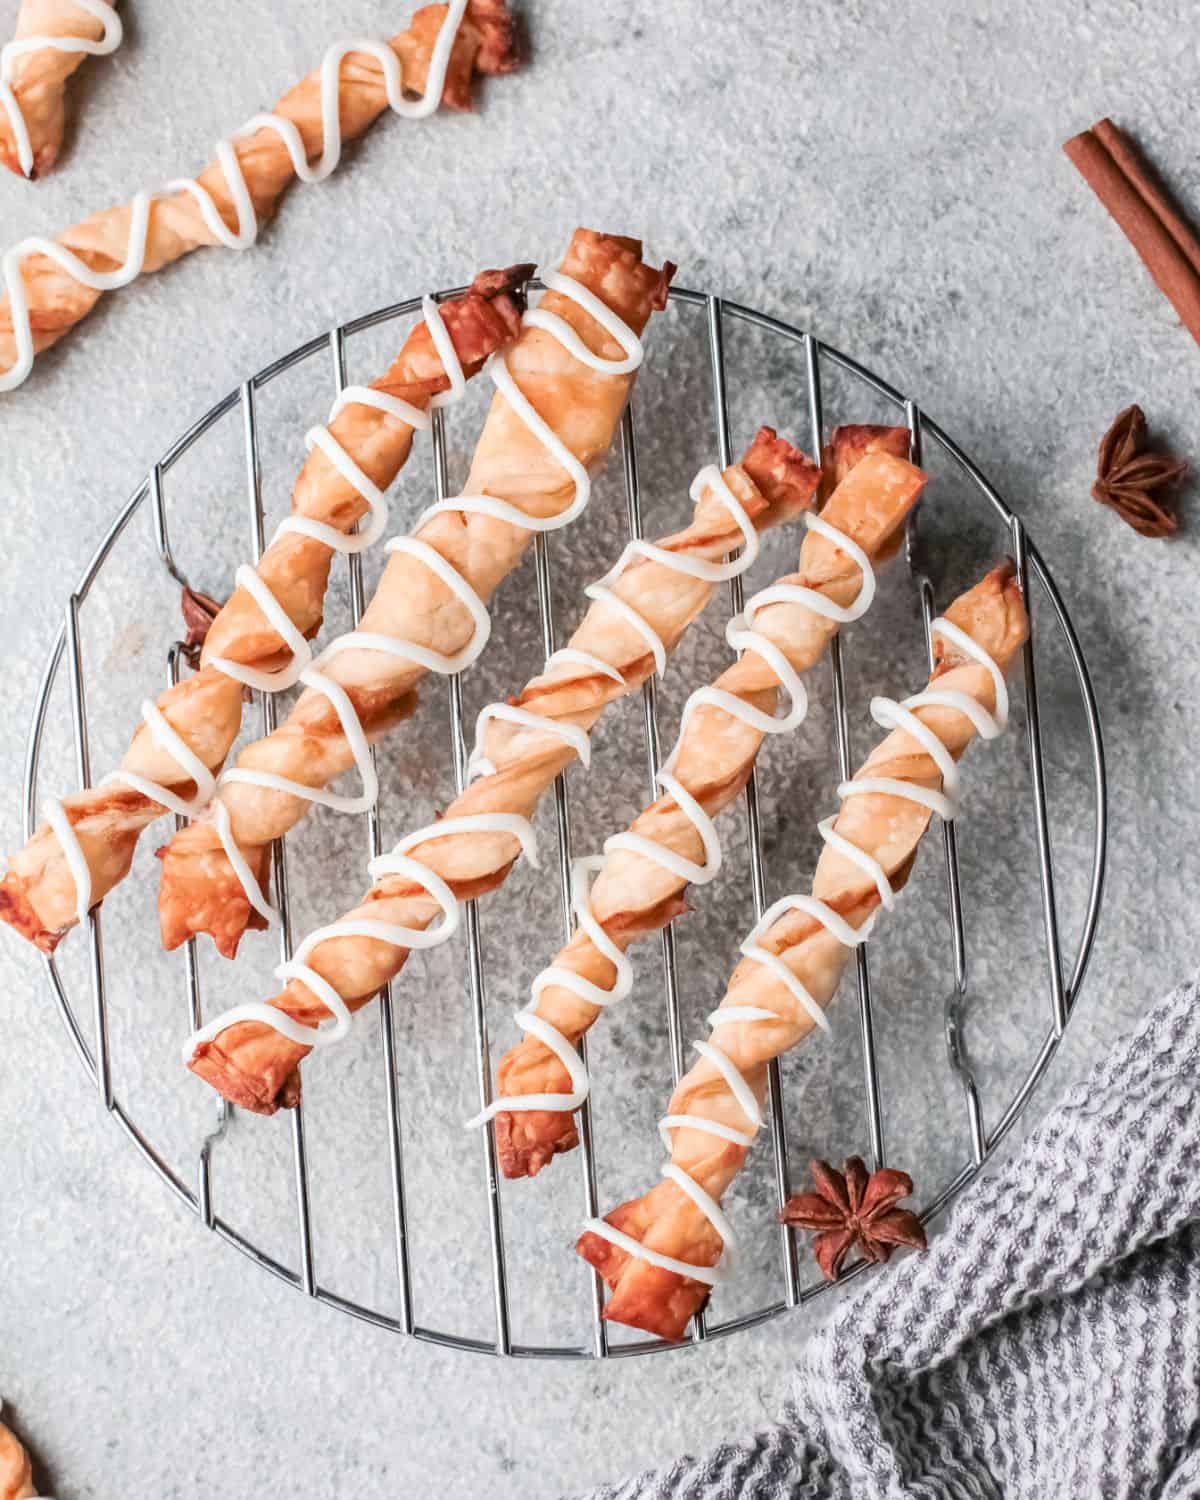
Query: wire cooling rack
1062, 976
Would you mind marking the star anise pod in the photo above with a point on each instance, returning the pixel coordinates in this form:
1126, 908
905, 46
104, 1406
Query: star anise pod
198, 611
857, 1209
1128, 478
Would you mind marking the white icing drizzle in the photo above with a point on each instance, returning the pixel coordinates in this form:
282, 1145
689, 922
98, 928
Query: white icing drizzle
355, 738
328, 1032
309, 671
889, 715
987, 725
237, 860
548, 1034
737, 1085
794, 593
550, 1037
708, 1206
577, 738
247, 220
570, 734
583, 659
281, 622
107, 43
555, 281
55, 815
867, 863
574, 735
337, 541
397, 862
567, 978
832, 921
667, 859
710, 477
165, 736
741, 636
513, 824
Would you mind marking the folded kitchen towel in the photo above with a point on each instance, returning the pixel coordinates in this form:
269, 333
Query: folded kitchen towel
1047, 1345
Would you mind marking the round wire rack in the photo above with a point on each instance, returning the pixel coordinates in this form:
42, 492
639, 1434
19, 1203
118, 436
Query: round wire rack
84, 1003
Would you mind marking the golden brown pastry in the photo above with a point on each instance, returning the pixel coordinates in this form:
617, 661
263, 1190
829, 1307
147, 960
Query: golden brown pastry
60, 873
636, 891
53, 285
638, 613
16, 1472
53, 37
648, 1248
430, 617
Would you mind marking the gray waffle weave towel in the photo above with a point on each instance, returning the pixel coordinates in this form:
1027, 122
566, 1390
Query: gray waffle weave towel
1048, 1344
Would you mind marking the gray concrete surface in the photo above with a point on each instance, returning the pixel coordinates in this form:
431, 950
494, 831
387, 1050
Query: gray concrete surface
891, 175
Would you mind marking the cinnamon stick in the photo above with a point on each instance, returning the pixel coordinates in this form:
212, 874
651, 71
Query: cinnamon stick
1169, 247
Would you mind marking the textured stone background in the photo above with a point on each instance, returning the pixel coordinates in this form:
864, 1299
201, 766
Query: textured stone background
890, 175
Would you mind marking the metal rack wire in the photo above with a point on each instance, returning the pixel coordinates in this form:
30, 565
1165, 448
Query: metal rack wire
1062, 987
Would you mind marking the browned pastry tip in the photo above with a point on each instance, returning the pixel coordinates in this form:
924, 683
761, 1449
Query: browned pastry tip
992, 613
16, 1471
488, 42
39, 78
502, 45
660, 1302
220, 907
510, 279
484, 319
853, 442
785, 475
18, 912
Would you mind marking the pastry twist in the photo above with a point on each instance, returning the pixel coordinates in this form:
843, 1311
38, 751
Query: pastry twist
16, 1472
53, 37
53, 285
779, 991
639, 888
203, 889
44, 891
253, 1054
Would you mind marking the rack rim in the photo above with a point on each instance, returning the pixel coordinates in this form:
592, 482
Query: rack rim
1065, 993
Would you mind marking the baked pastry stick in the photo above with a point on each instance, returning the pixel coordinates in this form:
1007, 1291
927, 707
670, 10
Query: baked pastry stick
53, 37
659, 1253
74, 860
430, 610
16, 1472
639, 611
53, 284
645, 872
